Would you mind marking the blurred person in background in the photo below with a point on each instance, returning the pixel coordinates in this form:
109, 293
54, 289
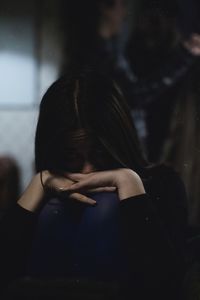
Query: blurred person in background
96, 34
161, 54
182, 144
181, 151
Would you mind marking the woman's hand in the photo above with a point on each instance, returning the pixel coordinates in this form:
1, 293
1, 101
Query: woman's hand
59, 185
127, 182
33, 197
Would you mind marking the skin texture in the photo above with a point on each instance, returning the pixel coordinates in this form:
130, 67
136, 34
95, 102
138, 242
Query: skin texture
125, 181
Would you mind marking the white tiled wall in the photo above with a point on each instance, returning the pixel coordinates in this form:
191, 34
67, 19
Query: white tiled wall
30, 60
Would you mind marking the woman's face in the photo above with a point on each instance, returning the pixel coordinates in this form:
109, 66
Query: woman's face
77, 152
85, 153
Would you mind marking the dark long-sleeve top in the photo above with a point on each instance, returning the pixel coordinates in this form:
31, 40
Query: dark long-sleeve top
152, 227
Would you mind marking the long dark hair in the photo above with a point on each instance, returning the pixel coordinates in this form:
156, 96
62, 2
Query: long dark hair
91, 102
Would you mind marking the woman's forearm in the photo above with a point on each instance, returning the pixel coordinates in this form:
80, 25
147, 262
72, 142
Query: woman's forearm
33, 196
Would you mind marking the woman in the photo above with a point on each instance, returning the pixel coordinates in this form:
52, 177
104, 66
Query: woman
131, 232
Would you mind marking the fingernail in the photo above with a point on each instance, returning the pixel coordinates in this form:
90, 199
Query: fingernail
94, 204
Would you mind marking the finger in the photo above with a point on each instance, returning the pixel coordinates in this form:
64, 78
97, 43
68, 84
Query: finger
76, 176
63, 191
58, 182
82, 198
103, 189
84, 184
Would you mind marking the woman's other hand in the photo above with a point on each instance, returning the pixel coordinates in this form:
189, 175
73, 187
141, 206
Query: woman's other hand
127, 182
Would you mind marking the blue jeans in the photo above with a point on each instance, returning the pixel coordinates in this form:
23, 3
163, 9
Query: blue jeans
76, 240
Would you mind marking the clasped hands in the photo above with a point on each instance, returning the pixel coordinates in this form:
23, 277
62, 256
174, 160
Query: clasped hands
124, 181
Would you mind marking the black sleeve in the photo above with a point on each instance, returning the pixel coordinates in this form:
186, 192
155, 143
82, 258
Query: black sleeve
154, 264
168, 195
16, 233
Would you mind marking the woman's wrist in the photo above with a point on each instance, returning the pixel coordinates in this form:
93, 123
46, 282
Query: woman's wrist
33, 196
